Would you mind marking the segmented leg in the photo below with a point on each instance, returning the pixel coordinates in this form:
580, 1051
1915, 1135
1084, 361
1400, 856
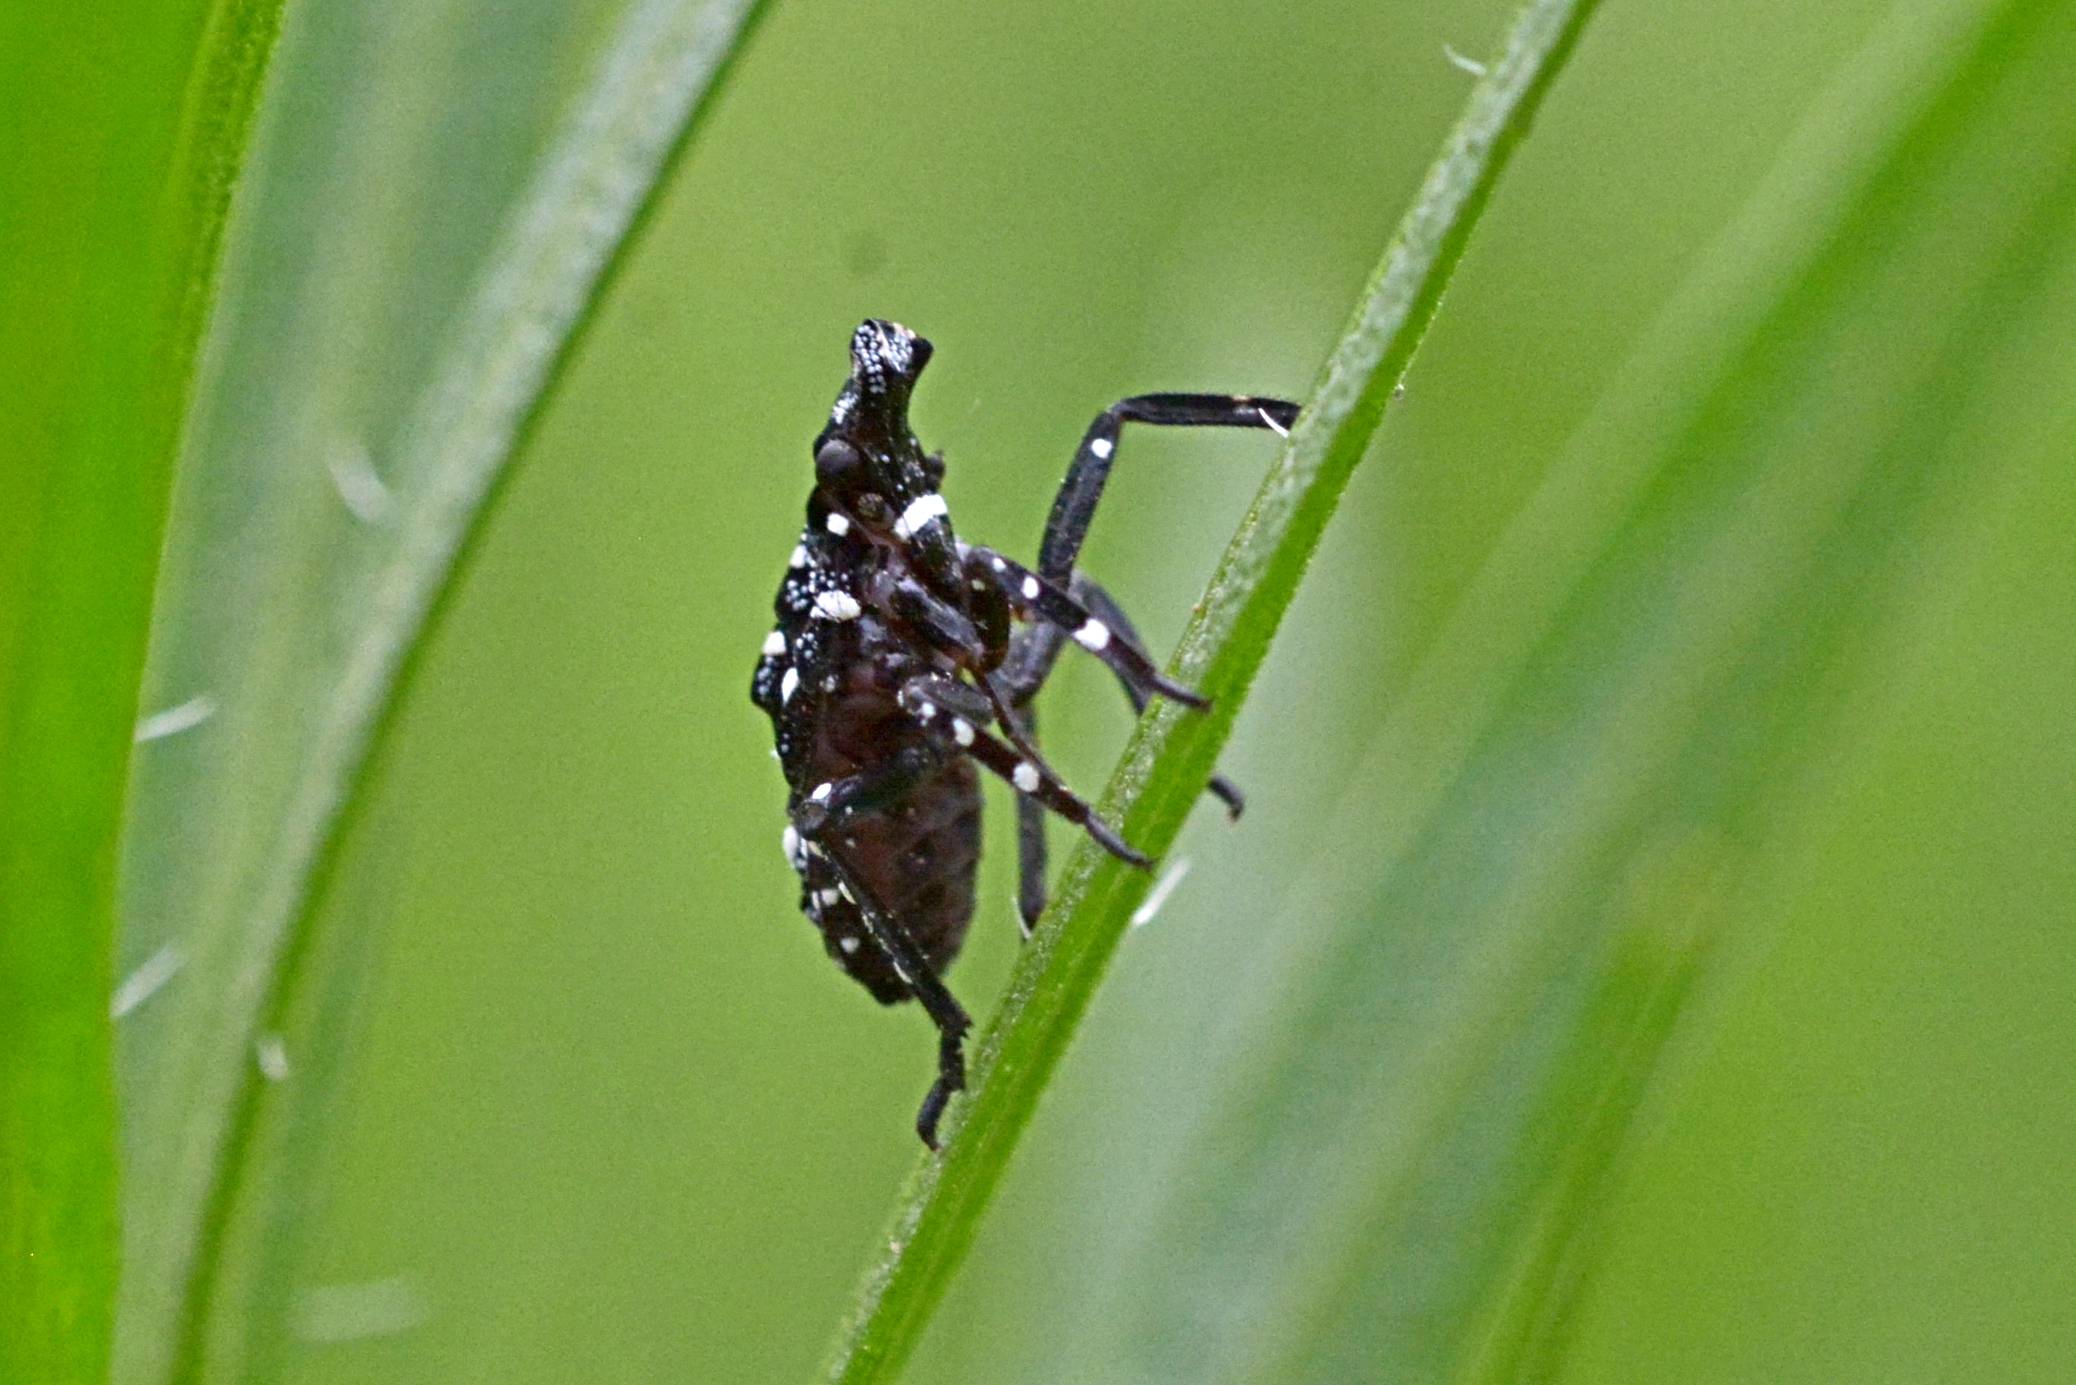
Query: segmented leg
1037, 598
1104, 606
1030, 838
1075, 505
1025, 771
1031, 660
818, 819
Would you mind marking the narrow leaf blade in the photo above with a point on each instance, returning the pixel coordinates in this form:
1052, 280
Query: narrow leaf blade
441, 201
1170, 758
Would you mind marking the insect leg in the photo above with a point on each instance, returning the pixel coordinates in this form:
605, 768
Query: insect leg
1031, 660
1075, 505
1104, 606
965, 710
1030, 839
1035, 779
1048, 601
823, 809
941, 625
937, 1001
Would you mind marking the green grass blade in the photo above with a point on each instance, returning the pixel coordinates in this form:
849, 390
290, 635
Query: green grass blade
117, 189
1584, 783
440, 202
1170, 757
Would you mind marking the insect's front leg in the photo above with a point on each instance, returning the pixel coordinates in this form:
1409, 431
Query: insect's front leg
938, 623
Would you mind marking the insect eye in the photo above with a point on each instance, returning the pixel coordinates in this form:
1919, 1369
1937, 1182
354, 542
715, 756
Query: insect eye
836, 461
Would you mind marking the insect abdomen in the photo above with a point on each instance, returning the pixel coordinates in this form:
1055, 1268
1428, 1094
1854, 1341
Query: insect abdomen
919, 857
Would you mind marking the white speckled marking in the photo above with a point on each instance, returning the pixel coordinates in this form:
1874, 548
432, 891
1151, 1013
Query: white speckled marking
838, 525
1094, 636
799, 558
920, 511
962, 731
790, 840
821, 793
849, 944
837, 605
788, 685
1025, 776
1030, 589
1101, 448
775, 642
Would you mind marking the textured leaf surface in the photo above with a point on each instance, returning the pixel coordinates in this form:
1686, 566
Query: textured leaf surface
439, 198
1581, 790
116, 191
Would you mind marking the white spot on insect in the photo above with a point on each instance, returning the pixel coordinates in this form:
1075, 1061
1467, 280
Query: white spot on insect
1101, 448
845, 891
821, 793
799, 558
775, 642
184, 716
926, 711
828, 897
849, 943
1030, 589
920, 511
1025, 777
837, 605
1094, 636
838, 525
359, 1312
1470, 65
999, 565
145, 982
962, 731
272, 1056
1268, 421
789, 685
790, 840
1158, 895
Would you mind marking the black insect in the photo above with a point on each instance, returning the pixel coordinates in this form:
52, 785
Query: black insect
896, 652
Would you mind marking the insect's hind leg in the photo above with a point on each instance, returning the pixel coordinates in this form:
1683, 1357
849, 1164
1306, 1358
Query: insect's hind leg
929, 990
819, 818
1075, 505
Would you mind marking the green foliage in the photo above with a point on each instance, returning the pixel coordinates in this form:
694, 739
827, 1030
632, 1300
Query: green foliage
117, 188
350, 432
1644, 955
1579, 787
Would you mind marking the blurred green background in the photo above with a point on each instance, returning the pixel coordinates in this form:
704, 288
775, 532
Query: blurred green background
606, 1112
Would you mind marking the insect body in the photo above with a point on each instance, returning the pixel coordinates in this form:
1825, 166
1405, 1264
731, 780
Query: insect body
902, 658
